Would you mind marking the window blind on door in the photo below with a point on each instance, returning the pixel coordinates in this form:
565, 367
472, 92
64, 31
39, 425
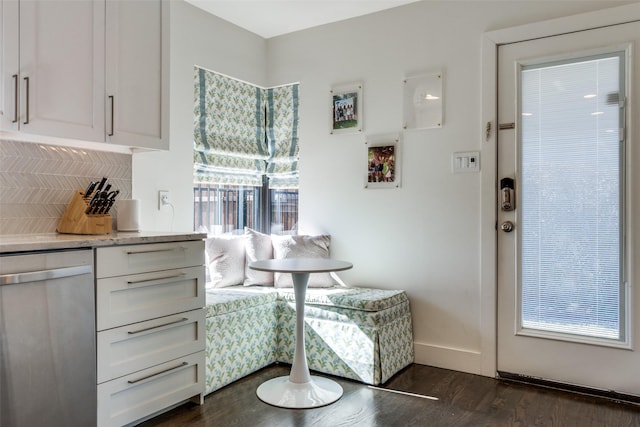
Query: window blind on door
571, 224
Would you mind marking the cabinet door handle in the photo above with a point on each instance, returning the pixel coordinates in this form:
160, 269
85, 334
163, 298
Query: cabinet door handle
111, 98
15, 99
26, 94
158, 373
137, 282
184, 319
150, 251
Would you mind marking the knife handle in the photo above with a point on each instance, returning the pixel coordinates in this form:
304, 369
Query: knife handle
89, 190
103, 181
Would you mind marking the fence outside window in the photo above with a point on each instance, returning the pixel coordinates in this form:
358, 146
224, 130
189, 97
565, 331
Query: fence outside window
220, 209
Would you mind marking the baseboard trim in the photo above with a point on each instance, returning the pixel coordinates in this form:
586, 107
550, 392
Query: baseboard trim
606, 394
456, 359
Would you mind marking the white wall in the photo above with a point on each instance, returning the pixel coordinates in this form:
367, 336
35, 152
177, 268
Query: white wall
424, 237
197, 38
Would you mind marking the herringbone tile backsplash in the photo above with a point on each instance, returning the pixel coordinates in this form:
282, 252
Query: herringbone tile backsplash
37, 181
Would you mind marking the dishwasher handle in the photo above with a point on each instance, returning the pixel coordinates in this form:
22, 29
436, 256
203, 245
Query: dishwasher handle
38, 276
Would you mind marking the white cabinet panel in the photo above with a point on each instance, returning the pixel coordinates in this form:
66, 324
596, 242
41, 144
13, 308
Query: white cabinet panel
143, 393
9, 64
137, 68
124, 300
122, 260
130, 348
61, 68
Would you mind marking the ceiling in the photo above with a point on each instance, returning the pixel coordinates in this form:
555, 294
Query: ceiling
269, 18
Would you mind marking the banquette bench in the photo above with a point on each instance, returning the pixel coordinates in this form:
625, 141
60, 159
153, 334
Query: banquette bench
358, 333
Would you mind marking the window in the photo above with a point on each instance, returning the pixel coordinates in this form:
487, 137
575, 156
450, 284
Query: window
572, 162
222, 209
245, 155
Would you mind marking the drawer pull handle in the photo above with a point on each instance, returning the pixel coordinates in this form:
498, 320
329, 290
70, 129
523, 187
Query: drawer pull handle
184, 319
157, 373
136, 282
150, 251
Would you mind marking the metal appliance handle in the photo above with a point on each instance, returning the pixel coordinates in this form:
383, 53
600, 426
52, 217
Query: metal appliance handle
38, 276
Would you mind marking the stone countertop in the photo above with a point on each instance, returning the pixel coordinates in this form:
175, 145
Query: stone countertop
54, 241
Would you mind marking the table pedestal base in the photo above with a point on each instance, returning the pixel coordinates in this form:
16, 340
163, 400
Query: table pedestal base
281, 392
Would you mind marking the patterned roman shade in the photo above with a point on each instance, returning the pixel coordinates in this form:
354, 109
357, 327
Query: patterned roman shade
282, 136
242, 131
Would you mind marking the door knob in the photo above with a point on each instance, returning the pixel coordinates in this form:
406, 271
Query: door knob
507, 226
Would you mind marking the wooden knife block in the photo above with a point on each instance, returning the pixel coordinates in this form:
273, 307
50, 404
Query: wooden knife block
76, 221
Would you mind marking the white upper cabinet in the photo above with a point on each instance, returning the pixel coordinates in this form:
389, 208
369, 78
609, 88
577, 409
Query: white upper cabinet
137, 73
9, 65
53, 68
91, 70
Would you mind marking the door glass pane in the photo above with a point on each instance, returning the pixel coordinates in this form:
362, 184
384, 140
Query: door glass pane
570, 162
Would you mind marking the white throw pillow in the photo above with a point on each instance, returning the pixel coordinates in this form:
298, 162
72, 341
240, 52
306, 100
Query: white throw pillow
258, 247
225, 260
302, 247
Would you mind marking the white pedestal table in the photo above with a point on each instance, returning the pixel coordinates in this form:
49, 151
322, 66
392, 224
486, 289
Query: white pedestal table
300, 389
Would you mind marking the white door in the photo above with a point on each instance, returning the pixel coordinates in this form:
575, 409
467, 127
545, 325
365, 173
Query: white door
569, 141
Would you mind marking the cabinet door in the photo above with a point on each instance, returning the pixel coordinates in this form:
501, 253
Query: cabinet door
9, 32
62, 68
137, 73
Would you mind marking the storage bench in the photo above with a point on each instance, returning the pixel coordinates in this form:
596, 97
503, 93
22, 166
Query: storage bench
357, 333
240, 334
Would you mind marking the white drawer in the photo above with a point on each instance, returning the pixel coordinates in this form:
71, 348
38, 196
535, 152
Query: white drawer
130, 299
138, 395
132, 259
131, 348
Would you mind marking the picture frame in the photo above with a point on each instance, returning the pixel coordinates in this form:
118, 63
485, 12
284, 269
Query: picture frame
384, 162
346, 108
422, 101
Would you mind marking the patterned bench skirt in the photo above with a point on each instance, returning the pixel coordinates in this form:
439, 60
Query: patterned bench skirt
357, 333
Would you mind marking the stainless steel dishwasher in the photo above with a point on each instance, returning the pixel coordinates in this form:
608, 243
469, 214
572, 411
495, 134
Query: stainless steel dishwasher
47, 339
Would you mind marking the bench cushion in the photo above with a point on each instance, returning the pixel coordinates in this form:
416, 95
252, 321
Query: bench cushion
364, 299
228, 300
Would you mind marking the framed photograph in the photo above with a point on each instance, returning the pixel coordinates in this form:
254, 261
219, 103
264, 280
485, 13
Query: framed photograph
422, 103
346, 108
383, 162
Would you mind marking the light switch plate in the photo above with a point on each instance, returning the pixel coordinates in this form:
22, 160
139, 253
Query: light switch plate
463, 162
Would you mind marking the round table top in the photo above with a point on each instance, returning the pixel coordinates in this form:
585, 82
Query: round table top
300, 265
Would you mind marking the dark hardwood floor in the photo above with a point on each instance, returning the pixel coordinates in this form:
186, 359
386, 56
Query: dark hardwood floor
437, 397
